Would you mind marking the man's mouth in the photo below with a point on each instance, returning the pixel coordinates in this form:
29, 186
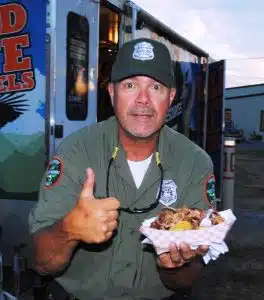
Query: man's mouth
142, 117
141, 113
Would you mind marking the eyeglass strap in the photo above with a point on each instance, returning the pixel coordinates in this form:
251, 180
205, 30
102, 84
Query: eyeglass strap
157, 156
115, 151
114, 156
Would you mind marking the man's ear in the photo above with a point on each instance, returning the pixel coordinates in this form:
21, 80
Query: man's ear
111, 92
172, 95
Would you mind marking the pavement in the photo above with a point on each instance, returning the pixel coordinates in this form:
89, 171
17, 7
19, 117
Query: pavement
239, 273
250, 145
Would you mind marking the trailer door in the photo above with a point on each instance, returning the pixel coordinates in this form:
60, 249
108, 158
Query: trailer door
215, 119
73, 54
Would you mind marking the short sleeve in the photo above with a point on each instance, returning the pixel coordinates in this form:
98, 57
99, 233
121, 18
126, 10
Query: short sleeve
200, 191
59, 188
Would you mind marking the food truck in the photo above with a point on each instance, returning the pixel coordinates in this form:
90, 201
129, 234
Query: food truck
52, 50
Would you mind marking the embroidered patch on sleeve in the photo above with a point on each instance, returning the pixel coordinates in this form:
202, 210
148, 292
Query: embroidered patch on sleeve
209, 190
54, 172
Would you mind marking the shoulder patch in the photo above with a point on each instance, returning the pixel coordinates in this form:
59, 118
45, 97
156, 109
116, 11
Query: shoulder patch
209, 190
54, 172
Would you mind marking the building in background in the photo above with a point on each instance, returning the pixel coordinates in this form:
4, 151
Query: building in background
244, 112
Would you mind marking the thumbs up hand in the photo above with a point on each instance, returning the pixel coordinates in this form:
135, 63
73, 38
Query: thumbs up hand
92, 220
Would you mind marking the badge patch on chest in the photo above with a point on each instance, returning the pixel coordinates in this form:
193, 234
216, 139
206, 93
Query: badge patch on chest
209, 190
168, 192
54, 172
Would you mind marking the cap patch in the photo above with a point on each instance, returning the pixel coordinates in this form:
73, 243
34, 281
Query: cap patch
54, 172
143, 51
209, 190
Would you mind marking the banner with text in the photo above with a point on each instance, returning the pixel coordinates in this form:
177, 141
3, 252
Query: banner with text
22, 97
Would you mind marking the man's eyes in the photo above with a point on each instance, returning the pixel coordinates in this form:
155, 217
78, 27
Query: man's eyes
129, 85
157, 87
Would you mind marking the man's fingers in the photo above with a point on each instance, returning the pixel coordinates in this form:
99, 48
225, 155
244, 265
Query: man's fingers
88, 191
186, 252
88, 185
112, 215
201, 250
108, 229
175, 254
108, 235
164, 261
110, 204
111, 226
172, 259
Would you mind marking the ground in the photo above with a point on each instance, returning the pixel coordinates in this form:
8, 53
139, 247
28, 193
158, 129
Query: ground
239, 273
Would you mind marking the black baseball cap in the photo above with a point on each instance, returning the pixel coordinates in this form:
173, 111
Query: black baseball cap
144, 57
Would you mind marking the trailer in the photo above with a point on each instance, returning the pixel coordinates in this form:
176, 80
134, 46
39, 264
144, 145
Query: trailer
55, 63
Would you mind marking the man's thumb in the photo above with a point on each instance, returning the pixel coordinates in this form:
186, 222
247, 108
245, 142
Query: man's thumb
88, 185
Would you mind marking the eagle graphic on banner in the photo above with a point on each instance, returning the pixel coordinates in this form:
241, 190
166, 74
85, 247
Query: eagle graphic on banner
12, 105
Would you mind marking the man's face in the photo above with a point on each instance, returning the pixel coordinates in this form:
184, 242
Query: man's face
141, 104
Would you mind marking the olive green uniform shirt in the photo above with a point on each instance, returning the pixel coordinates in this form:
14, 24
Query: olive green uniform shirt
122, 268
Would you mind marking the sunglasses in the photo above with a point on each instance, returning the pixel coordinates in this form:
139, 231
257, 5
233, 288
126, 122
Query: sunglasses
136, 210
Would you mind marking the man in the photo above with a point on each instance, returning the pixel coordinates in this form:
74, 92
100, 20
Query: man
111, 176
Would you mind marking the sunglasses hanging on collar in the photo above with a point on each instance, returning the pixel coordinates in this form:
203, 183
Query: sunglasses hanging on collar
136, 210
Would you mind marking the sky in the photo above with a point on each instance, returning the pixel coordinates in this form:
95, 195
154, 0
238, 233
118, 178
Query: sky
230, 30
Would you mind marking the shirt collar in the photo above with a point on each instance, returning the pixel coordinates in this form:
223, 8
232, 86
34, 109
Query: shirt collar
165, 146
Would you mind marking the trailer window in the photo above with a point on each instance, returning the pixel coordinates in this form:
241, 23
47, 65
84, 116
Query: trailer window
261, 121
108, 46
77, 67
109, 25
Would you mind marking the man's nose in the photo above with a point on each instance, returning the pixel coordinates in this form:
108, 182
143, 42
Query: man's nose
143, 97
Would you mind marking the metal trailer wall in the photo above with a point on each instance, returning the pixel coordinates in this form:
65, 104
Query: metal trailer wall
13, 213
22, 130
